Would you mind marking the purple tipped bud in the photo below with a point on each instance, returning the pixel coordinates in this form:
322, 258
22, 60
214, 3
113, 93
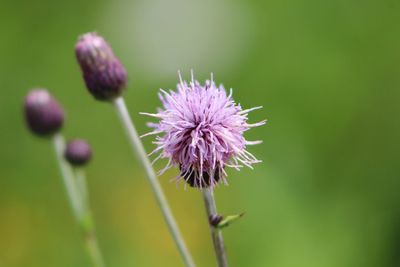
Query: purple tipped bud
78, 152
43, 114
215, 219
104, 75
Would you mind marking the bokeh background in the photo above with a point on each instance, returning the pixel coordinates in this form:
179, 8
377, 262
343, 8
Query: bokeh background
327, 74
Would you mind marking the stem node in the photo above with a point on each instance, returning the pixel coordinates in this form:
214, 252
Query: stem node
216, 233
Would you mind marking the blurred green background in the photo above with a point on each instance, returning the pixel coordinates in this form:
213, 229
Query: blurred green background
327, 74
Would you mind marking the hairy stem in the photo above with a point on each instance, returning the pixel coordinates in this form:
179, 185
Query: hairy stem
138, 148
78, 202
216, 234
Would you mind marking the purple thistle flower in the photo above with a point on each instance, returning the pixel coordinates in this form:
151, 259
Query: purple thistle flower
201, 131
78, 152
104, 75
43, 114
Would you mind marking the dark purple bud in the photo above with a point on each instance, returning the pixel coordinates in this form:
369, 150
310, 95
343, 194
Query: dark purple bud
43, 114
78, 152
104, 75
215, 219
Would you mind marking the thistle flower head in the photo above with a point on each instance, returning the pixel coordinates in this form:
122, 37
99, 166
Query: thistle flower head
78, 152
104, 75
200, 129
43, 114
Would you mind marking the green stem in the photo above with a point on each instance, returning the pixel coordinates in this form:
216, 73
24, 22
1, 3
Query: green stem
82, 187
138, 148
216, 234
78, 203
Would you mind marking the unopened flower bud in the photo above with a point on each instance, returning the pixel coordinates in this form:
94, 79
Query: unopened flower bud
215, 219
43, 114
104, 75
78, 152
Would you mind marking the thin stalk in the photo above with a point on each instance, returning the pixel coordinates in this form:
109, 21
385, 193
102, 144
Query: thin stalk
138, 148
78, 204
92, 245
216, 234
68, 177
82, 187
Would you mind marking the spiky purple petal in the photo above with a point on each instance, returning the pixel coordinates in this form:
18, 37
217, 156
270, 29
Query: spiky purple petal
200, 129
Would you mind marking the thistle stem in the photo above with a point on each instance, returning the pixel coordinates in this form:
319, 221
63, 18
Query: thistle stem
82, 187
138, 148
216, 234
78, 202
68, 177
